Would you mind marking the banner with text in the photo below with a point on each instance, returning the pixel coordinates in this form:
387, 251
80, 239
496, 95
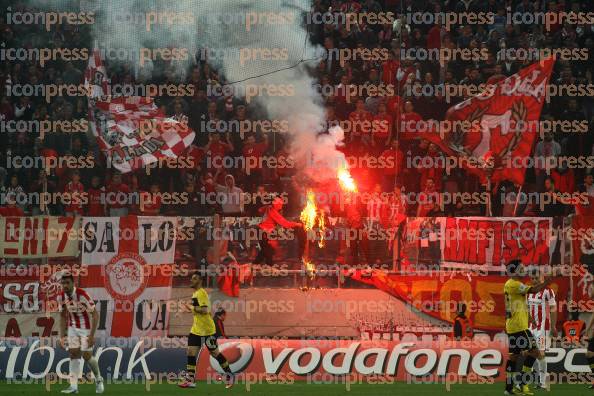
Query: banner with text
439, 294
479, 242
39, 237
129, 274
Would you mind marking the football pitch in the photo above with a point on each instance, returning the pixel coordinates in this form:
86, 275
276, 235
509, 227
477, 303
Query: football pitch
296, 389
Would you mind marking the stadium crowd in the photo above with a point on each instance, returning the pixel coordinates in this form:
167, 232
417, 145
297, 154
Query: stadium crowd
375, 124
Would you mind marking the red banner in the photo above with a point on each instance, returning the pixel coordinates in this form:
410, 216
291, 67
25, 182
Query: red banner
485, 243
438, 295
582, 237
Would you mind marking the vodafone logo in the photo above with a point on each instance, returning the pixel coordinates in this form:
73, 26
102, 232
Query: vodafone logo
124, 276
246, 352
394, 360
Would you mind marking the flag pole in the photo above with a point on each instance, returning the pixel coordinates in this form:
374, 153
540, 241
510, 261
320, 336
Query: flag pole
517, 200
489, 211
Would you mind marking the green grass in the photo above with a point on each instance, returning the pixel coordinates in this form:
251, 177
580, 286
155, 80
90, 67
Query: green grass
296, 389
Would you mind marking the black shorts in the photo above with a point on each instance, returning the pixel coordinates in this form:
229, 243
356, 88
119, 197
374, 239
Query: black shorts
521, 341
591, 345
198, 341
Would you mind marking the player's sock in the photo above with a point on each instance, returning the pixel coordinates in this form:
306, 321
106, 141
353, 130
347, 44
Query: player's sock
74, 368
191, 368
94, 365
527, 370
223, 362
509, 371
542, 371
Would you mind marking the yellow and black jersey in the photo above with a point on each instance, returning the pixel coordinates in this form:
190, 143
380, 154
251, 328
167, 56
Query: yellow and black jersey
203, 324
516, 307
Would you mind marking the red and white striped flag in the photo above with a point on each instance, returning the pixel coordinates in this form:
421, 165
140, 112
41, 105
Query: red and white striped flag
132, 131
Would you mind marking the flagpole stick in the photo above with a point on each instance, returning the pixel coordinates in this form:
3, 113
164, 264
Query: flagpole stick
517, 200
489, 212
305, 259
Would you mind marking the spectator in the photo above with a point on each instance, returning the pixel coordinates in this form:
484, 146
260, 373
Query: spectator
573, 328
230, 197
216, 150
394, 162
150, 204
409, 122
219, 318
462, 326
551, 202
546, 152
96, 194
74, 193
429, 200
381, 128
252, 154
117, 197
360, 122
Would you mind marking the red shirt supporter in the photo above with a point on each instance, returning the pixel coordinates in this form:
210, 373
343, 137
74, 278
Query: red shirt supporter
341, 90
391, 160
434, 37
253, 152
117, 194
95, 206
216, 150
360, 120
394, 106
151, 202
196, 155
389, 69
74, 192
382, 125
409, 122
272, 217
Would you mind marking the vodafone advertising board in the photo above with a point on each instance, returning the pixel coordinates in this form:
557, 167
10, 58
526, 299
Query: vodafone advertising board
303, 359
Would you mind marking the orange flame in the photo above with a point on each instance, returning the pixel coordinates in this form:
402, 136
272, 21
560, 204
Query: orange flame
312, 216
310, 268
322, 229
346, 181
309, 213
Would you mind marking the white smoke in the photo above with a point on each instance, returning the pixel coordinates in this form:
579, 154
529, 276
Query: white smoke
237, 33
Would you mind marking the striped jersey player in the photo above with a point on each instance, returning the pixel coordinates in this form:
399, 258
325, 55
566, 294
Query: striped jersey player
78, 323
542, 308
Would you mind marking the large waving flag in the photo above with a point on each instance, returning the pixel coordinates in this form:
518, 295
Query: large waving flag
503, 125
130, 130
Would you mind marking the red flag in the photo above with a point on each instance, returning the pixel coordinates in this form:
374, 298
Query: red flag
583, 256
132, 131
501, 125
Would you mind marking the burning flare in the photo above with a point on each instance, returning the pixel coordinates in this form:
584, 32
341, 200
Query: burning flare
345, 180
311, 216
322, 229
308, 214
310, 268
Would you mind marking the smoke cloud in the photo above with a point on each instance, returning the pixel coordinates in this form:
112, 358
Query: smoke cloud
258, 46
